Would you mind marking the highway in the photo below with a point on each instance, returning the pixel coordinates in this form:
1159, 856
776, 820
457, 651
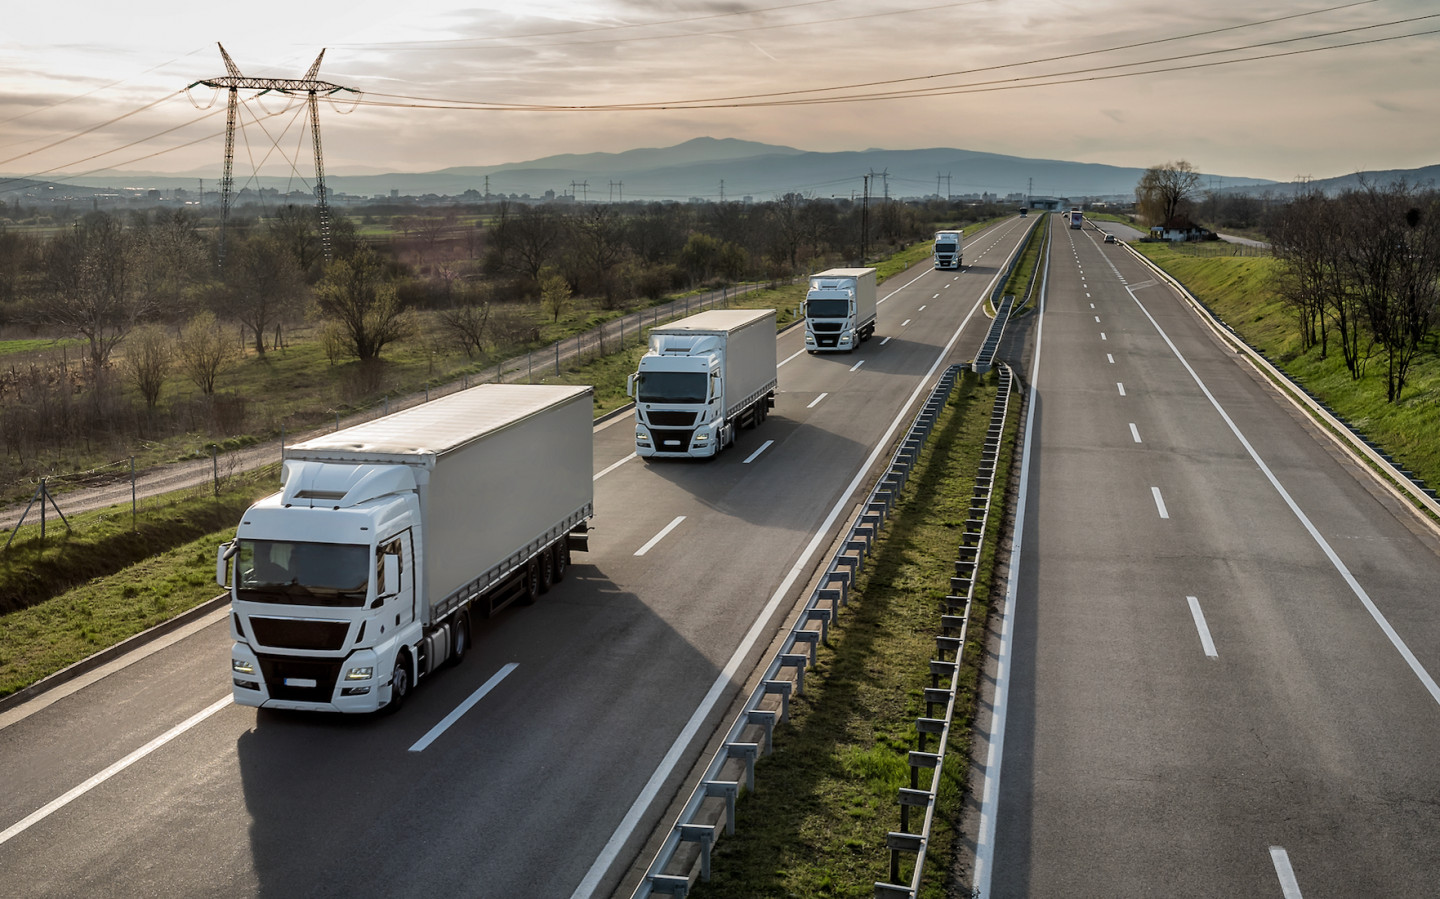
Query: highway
1216, 668
540, 767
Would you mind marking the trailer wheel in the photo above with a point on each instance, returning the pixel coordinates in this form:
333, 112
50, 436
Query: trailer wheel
530, 588
547, 569
399, 684
459, 639
561, 560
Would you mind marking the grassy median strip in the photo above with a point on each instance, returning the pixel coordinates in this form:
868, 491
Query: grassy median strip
827, 796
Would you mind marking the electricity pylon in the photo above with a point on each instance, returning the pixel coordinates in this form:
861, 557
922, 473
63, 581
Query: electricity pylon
234, 82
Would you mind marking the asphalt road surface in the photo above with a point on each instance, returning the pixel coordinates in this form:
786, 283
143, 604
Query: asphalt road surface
1216, 677
542, 765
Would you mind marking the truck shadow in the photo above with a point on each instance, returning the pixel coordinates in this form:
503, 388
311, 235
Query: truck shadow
519, 795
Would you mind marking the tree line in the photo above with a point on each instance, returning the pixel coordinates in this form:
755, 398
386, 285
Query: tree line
146, 298
1361, 271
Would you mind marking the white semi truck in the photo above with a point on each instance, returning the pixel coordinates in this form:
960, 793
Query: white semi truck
702, 379
1077, 219
948, 250
360, 577
840, 309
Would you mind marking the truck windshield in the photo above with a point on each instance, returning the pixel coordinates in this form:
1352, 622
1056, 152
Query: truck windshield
944, 247
827, 308
312, 574
671, 387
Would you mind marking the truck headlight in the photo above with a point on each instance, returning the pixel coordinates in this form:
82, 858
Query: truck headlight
360, 673
240, 666
702, 436
641, 436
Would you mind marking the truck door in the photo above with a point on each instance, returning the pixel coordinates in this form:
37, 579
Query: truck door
402, 549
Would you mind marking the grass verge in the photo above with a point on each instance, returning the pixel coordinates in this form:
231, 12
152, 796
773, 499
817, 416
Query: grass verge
827, 795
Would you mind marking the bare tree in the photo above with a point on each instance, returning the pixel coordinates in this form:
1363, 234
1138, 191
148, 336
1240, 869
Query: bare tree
1165, 189
264, 286
358, 295
173, 258
147, 361
203, 351
90, 280
467, 319
527, 238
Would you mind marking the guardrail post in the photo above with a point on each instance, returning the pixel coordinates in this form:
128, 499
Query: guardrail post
728, 790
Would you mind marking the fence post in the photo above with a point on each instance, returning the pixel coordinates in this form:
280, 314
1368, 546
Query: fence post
132, 493
215, 466
557, 358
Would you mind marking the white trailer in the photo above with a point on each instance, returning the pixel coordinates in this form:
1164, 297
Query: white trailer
840, 309
361, 575
702, 379
948, 251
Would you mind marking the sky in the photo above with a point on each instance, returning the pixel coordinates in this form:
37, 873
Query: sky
89, 86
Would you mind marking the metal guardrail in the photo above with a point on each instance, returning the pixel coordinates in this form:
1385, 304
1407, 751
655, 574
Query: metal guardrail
710, 810
945, 672
985, 359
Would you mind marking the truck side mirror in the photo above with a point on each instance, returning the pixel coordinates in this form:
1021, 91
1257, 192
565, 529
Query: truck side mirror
222, 564
630, 386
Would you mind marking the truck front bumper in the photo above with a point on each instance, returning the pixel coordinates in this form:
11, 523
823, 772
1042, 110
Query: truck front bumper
357, 684
676, 443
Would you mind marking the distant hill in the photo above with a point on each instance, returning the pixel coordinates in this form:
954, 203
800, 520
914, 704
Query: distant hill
1427, 176
699, 168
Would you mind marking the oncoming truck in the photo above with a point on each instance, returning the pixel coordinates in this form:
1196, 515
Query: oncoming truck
840, 309
948, 250
702, 379
361, 575
1077, 219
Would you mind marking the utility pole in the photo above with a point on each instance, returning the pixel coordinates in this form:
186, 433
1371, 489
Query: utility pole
487, 187
311, 87
722, 190
865, 221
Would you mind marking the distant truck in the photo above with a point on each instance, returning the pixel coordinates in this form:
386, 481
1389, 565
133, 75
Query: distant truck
361, 576
948, 250
702, 379
1024, 212
1077, 219
840, 309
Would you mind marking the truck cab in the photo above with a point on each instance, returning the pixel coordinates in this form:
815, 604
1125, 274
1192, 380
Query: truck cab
324, 593
947, 250
679, 394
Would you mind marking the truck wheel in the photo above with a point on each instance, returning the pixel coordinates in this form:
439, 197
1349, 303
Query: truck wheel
561, 559
399, 684
532, 582
459, 639
547, 569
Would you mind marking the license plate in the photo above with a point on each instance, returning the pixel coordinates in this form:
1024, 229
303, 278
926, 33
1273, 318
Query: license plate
300, 682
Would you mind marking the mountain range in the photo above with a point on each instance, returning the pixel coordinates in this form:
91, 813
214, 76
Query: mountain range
713, 168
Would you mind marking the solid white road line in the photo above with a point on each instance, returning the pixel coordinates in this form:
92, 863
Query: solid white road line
815, 402
1159, 502
626, 828
763, 447
444, 725
1390, 633
1289, 886
994, 756
857, 365
609, 468
1205, 642
660, 536
55, 805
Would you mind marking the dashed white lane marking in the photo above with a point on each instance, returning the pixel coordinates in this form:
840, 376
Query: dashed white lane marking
887, 340
815, 402
1135, 432
755, 455
857, 365
1289, 886
1110, 357
1205, 642
660, 536
905, 322
444, 725
1120, 385
1159, 502
612, 467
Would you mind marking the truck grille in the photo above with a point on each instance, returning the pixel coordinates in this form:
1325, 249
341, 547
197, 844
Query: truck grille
278, 669
671, 440
289, 633
671, 418
826, 327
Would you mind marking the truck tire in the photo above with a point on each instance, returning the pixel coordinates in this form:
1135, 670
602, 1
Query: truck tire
399, 684
561, 560
530, 590
547, 569
459, 639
